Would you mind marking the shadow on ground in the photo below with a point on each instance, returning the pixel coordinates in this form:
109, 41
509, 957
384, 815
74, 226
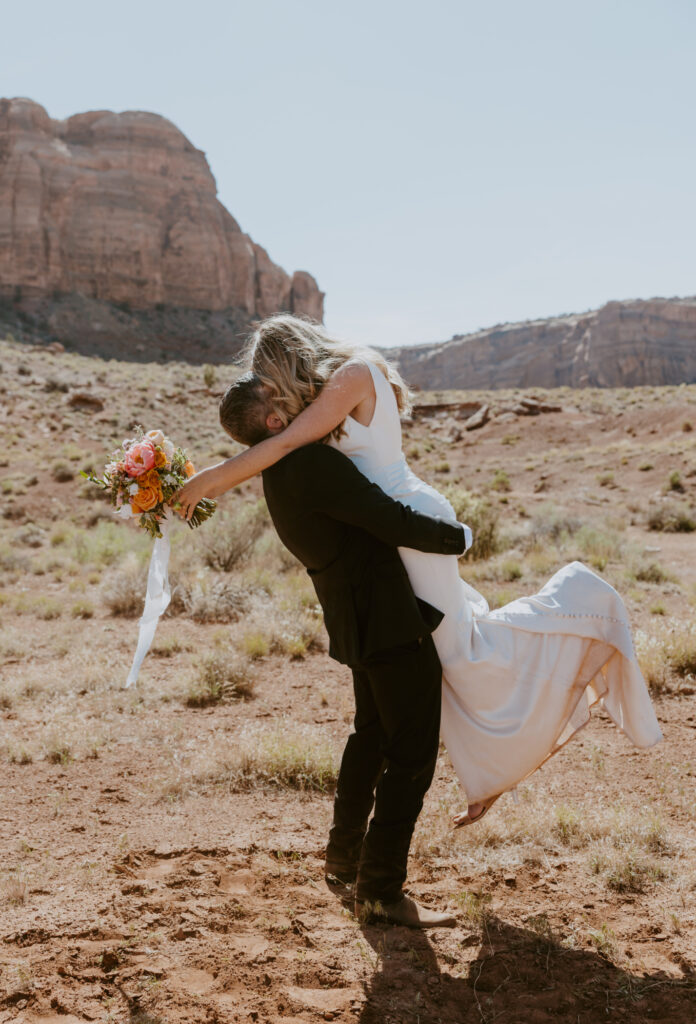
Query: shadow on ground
516, 975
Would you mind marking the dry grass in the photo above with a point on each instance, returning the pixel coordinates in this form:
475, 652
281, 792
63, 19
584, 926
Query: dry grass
285, 755
627, 847
671, 518
15, 890
233, 534
483, 519
221, 676
123, 591
213, 599
667, 656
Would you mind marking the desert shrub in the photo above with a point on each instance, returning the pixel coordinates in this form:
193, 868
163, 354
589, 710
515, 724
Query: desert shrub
604, 941
108, 542
41, 605
62, 472
168, 648
297, 635
626, 871
501, 481
58, 751
12, 560
207, 599
671, 519
19, 755
286, 756
667, 653
256, 643
652, 572
598, 547
477, 513
475, 906
221, 676
550, 524
123, 591
83, 609
271, 551
231, 540
510, 570
568, 825
674, 482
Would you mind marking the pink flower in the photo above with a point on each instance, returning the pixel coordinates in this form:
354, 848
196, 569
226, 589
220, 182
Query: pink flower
140, 458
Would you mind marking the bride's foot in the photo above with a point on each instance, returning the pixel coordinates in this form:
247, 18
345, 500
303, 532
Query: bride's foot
474, 812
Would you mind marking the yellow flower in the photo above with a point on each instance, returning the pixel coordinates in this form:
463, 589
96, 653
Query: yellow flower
160, 458
151, 479
189, 468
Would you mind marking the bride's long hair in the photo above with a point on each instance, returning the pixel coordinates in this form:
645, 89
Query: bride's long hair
294, 357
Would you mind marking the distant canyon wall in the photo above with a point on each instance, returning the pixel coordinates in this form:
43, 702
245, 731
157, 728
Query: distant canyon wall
622, 344
112, 237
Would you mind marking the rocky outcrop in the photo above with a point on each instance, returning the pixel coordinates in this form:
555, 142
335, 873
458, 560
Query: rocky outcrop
105, 213
621, 344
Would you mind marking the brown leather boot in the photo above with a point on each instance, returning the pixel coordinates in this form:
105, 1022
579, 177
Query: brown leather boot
405, 912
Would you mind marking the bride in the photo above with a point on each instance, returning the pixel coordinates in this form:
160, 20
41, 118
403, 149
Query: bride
518, 682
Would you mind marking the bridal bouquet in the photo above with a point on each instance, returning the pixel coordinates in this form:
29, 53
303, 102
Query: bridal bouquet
141, 478
143, 475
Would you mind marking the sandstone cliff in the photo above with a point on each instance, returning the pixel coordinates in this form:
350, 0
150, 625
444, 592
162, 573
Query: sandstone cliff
111, 235
621, 344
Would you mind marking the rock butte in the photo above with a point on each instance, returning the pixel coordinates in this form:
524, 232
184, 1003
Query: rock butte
112, 240
622, 344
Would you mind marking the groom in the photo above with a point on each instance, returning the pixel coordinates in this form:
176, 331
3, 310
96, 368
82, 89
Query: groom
345, 530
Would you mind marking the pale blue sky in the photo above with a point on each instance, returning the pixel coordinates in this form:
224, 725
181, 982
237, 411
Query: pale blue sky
438, 166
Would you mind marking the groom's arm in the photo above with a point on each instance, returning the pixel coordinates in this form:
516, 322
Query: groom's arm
336, 487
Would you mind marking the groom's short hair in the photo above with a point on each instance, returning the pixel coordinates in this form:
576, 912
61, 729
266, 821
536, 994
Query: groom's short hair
243, 410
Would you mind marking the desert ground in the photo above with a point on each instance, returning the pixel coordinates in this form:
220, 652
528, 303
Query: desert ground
161, 847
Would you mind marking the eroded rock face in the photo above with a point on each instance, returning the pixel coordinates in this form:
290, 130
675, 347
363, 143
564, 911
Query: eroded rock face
622, 344
122, 209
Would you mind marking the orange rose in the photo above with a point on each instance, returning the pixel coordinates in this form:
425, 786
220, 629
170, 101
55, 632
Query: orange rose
150, 479
145, 499
160, 458
189, 468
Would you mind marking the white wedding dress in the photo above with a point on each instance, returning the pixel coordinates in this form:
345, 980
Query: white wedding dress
519, 681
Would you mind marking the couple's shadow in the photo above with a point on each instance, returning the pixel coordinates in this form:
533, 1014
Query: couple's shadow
517, 975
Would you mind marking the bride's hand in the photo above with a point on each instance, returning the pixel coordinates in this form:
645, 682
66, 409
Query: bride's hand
468, 539
186, 499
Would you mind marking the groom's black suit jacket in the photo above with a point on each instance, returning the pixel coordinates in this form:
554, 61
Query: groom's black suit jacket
346, 530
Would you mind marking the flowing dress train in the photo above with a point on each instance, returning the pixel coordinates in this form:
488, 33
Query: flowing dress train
519, 681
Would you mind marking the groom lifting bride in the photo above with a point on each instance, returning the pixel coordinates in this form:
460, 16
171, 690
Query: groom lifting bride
515, 684
345, 530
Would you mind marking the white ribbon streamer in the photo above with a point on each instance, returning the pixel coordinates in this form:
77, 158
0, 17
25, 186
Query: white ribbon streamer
156, 600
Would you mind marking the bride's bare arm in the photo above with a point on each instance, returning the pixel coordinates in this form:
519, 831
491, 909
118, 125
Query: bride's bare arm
350, 385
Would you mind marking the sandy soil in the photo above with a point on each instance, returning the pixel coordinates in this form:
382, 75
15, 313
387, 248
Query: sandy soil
141, 883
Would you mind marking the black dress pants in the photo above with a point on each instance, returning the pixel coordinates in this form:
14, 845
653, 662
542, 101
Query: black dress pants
388, 764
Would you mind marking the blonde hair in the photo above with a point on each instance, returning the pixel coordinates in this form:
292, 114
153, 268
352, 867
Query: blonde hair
295, 357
